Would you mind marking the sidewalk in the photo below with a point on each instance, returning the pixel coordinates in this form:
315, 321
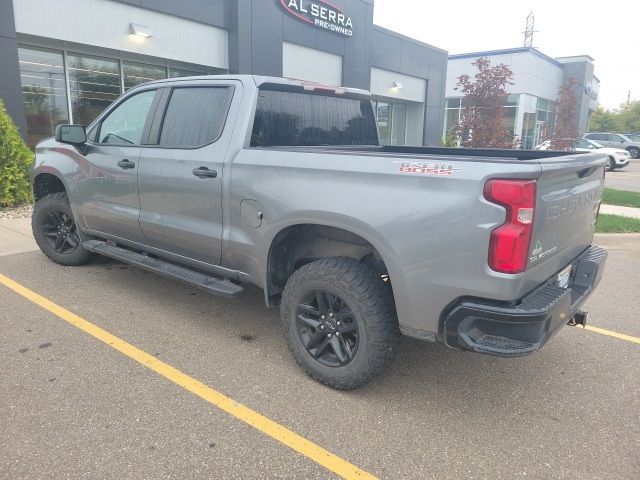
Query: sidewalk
624, 211
15, 236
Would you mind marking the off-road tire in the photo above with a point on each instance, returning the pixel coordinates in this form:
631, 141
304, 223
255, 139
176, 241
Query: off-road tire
56, 202
371, 301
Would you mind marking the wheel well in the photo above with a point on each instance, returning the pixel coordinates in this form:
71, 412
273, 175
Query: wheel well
46, 183
298, 245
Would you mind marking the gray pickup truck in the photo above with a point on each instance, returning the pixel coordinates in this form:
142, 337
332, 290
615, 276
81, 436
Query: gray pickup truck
230, 180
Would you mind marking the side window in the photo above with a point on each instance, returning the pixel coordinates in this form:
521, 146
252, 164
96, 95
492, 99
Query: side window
125, 124
615, 138
597, 136
195, 116
584, 144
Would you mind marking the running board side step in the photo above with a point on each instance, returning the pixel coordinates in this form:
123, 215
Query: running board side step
214, 285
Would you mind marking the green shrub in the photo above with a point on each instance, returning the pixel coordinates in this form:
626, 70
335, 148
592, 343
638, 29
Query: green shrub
15, 161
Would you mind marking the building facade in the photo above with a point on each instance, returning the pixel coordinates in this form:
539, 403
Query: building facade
65, 61
530, 110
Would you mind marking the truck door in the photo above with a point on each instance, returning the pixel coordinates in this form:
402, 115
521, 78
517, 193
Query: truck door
107, 183
180, 177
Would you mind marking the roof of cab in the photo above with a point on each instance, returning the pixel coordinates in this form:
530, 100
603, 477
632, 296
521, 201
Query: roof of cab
258, 80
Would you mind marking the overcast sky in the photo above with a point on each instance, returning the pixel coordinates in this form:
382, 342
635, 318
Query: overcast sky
607, 31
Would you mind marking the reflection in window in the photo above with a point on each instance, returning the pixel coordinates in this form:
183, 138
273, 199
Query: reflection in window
125, 124
43, 92
94, 83
137, 73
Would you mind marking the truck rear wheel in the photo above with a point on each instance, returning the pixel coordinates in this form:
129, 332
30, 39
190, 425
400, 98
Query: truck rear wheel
55, 230
340, 321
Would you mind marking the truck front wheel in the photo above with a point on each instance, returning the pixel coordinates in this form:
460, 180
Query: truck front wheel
340, 321
55, 230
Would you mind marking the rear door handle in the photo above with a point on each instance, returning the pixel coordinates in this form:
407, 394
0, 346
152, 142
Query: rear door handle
204, 172
126, 164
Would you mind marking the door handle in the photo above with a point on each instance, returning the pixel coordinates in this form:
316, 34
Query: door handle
204, 172
126, 164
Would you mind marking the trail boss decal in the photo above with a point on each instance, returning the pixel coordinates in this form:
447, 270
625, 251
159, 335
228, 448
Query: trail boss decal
424, 168
321, 14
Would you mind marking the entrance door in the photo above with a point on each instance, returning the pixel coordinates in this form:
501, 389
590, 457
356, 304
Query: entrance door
539, 130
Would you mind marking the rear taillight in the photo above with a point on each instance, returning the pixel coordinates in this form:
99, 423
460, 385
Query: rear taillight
510, 242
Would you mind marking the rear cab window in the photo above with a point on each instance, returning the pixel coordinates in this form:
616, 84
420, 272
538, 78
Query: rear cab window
296, 118
194, 116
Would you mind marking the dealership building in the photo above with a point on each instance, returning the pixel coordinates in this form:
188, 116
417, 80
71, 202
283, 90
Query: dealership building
530, 109
64, 61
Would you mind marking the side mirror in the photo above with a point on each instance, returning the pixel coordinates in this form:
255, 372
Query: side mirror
72, 134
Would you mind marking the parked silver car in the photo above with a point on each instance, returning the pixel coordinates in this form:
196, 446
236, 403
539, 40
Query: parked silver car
615, 140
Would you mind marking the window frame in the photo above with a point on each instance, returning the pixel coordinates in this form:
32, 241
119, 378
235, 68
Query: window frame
155, 130
93, 135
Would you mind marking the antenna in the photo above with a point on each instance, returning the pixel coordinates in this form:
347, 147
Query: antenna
529, 31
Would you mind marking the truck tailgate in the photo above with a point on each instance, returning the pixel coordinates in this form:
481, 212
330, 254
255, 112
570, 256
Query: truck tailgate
569, 191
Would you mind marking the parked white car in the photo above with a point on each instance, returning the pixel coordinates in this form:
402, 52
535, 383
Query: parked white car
617, 157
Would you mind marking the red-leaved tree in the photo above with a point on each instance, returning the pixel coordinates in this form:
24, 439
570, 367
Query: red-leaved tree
566, 127
482, 106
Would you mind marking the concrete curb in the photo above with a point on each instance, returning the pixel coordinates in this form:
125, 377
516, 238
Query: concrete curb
622, 211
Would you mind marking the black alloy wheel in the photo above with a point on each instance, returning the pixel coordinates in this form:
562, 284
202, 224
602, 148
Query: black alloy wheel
327, 328
60, 232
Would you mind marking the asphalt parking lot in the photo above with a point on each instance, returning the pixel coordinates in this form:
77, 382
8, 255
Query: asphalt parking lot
627, 178
75, 407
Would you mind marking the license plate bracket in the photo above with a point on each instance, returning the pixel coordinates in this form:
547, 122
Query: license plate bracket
564, 276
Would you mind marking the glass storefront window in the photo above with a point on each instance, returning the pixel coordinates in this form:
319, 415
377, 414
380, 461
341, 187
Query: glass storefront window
137, 73
93, 83
399, 124
451, 118
452, 103
393, 126
509, 118
383, 117
44, 92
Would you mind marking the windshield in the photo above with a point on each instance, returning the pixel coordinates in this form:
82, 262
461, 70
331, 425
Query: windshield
589, 144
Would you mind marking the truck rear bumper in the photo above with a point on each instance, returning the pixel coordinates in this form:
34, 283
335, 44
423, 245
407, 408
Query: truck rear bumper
522, 327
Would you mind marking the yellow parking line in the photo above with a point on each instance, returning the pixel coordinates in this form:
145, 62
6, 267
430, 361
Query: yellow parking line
273, 429
621, 336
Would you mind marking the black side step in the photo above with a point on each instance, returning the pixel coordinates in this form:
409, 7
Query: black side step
216, 286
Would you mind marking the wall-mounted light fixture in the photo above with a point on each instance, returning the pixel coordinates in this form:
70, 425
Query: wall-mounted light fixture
397, 85
140, 30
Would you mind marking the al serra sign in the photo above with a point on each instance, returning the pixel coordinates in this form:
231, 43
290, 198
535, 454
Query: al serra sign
321, 14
